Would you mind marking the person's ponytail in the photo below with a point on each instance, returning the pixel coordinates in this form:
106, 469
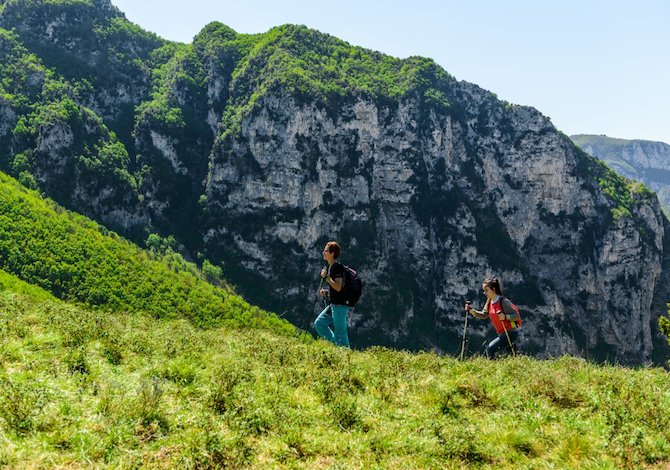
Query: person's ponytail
493, 284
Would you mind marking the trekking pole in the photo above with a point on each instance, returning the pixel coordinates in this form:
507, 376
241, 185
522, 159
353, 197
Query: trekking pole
464, 340
509, 341
485, 343
325, 304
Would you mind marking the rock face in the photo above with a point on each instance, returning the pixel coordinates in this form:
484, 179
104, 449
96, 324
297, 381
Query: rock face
427, 205
642, 160
256, 150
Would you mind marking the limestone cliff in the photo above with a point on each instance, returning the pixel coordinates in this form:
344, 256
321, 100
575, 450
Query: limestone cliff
429, 203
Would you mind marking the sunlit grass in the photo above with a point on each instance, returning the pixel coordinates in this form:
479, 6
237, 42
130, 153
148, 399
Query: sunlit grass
81, 388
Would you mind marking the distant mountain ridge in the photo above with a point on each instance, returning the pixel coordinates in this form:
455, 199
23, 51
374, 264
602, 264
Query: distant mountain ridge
643, 160
254, 150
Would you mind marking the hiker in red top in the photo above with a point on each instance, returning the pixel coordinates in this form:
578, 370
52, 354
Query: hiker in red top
504, 316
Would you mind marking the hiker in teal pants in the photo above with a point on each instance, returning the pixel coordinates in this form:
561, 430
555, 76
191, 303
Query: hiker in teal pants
331, 324
335, 316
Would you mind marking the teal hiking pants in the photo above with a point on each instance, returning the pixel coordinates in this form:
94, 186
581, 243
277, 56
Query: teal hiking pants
331, 324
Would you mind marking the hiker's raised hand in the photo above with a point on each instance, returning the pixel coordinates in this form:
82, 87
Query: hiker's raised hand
324, 273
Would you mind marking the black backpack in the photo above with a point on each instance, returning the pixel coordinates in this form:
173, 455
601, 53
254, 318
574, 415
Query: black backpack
353, 286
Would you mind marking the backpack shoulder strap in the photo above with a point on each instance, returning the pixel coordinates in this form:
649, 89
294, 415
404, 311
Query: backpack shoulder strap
512, 315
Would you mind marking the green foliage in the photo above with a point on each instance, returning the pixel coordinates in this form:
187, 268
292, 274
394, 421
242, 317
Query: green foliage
162, 246
178, 108
21, 129
182, 74
615, 187
74, 43
624, 193
93, 155
77, 260
44, 103
213, 273
10, 283
120, 32
27, 179
168, 250
214, 36
187, 397
22, 400
147, 406
88, 49
21, 73
664, 324
310, 64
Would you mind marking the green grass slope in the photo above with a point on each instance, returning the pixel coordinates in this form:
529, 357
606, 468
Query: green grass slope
77, 260
82, 389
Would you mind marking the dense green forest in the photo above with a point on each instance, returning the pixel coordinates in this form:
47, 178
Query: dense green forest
79, 260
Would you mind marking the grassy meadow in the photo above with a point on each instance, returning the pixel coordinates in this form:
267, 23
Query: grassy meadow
81, 388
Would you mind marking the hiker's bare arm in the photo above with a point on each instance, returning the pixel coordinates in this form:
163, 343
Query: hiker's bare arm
477, 313
335, 283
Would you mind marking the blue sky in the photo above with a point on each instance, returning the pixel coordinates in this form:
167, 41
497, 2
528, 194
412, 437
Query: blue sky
592, 66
